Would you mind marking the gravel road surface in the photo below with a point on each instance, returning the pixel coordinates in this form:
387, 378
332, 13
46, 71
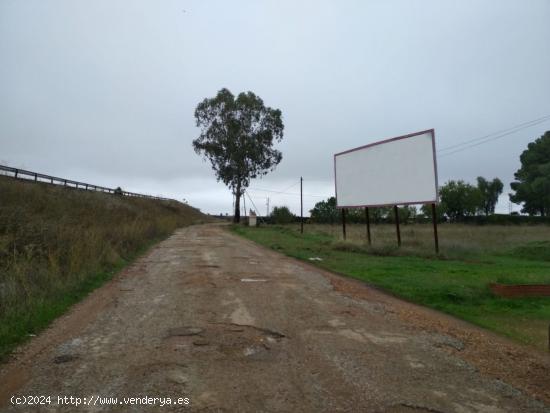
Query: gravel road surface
233, 327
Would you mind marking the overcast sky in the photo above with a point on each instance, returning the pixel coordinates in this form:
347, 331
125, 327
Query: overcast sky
104, 91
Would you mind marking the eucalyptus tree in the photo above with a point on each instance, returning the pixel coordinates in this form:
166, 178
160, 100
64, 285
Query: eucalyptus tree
237, 137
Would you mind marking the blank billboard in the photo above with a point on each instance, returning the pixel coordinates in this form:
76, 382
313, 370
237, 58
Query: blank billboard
395, 171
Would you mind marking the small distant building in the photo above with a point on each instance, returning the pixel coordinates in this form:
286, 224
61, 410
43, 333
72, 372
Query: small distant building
252, 219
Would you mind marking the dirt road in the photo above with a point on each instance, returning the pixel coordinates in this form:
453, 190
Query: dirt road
211, 317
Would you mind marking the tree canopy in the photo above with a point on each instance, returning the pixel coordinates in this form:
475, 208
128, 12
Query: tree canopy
490, 190
459, 199
237, 137
281, 215
532, 184
325, 211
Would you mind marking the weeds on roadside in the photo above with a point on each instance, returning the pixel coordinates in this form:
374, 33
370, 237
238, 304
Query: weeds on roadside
57, 244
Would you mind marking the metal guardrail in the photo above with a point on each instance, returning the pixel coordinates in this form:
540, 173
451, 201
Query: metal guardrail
69, 183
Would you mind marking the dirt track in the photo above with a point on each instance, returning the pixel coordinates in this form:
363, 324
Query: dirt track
235, 327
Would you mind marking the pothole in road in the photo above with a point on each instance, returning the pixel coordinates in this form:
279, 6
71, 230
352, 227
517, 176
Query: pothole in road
65, 358
68, 351
443, 340
197, 281
249, 341
165, 372
409, 408
226, 339
184, 331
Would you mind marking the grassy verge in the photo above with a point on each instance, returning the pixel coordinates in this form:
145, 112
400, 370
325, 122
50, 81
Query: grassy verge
452, 285
20, 322
58, 244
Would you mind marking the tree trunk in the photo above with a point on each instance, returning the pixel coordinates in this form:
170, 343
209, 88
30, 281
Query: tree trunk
237, 214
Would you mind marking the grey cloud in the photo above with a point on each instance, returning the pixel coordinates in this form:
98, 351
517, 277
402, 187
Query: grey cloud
106, 90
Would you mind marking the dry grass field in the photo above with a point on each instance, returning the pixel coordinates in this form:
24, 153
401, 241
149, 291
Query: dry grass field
57, 244
455, 240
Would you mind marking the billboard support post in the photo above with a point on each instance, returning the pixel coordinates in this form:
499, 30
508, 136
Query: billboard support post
434, 219
301, 206
396, 211
344, 223
368, 224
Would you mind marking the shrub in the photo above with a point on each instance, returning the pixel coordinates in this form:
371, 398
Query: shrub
281, 215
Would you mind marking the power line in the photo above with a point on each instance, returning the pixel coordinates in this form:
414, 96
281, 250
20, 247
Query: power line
492, 136
286, 193
253, 204
290, 187
481, 143
272, 191
526, 124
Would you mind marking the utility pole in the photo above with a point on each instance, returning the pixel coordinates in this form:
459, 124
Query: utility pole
301, 206
244, 205
267, 207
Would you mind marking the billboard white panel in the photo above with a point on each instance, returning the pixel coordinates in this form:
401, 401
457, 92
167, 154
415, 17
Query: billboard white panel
395, 171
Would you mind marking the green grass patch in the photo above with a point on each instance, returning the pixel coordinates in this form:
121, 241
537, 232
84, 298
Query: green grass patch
453, 285
535, 250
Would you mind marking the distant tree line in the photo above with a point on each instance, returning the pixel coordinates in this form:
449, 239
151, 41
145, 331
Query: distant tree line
458, 200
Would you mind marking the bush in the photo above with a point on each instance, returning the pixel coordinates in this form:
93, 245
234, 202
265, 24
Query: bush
505, 219
281, 215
